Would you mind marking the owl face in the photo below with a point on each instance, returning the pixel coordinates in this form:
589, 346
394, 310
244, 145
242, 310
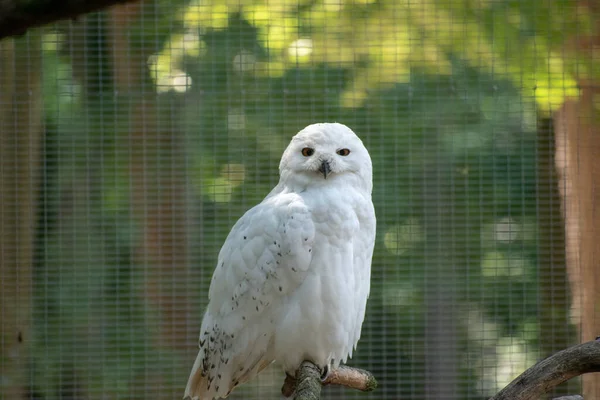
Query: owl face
325, 152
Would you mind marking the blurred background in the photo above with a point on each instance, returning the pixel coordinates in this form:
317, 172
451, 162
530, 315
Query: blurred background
133, 138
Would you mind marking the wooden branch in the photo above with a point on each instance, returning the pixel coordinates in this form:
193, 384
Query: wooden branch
552, 371
574, 397
307, 383
17, 16
308, 378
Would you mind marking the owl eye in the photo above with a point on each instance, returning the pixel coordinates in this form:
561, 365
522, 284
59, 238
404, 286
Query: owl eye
343, 152
307, 152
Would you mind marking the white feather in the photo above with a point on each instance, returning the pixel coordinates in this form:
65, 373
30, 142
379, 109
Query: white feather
293, 276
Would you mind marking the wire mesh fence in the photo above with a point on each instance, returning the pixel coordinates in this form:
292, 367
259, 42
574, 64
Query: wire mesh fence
132, 139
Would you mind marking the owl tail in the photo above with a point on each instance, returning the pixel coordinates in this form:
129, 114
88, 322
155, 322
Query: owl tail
203, 387
197, 386
209, 386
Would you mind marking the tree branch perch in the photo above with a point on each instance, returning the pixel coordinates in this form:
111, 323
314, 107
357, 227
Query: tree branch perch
552, 371
531, 384
307, 383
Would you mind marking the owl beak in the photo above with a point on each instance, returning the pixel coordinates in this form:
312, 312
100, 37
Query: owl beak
325, 168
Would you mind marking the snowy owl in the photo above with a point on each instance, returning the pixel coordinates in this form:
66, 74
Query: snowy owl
293, 277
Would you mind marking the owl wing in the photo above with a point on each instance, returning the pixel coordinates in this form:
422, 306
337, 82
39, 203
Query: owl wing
265, 258
363, 254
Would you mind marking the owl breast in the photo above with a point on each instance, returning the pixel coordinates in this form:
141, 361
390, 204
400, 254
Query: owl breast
321, 321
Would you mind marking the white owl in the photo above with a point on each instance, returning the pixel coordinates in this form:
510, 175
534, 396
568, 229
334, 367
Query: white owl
293, 276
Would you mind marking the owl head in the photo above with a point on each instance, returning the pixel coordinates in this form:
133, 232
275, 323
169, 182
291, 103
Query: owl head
326, 154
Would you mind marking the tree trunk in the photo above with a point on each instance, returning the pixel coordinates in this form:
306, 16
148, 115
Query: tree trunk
577, 127
158, 176
158, 200
577, 160
443, 257
555, 330
21, 133
159, 203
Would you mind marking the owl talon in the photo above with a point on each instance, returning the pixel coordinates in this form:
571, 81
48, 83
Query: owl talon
325, 373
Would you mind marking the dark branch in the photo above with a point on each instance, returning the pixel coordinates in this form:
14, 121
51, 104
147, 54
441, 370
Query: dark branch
552, 371
573, 397
17, 16
307, 384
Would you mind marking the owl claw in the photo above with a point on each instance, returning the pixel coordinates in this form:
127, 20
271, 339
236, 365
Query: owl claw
325, 373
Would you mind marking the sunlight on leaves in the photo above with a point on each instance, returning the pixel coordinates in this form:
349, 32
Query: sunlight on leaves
236, 119
244, 62
511, 356
400, 294
499, 264
219, 189
166, 66
480, 327
198, 14
300, 50
403, 237
506, 230
427, 34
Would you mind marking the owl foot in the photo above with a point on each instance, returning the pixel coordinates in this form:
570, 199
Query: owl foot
324, 373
